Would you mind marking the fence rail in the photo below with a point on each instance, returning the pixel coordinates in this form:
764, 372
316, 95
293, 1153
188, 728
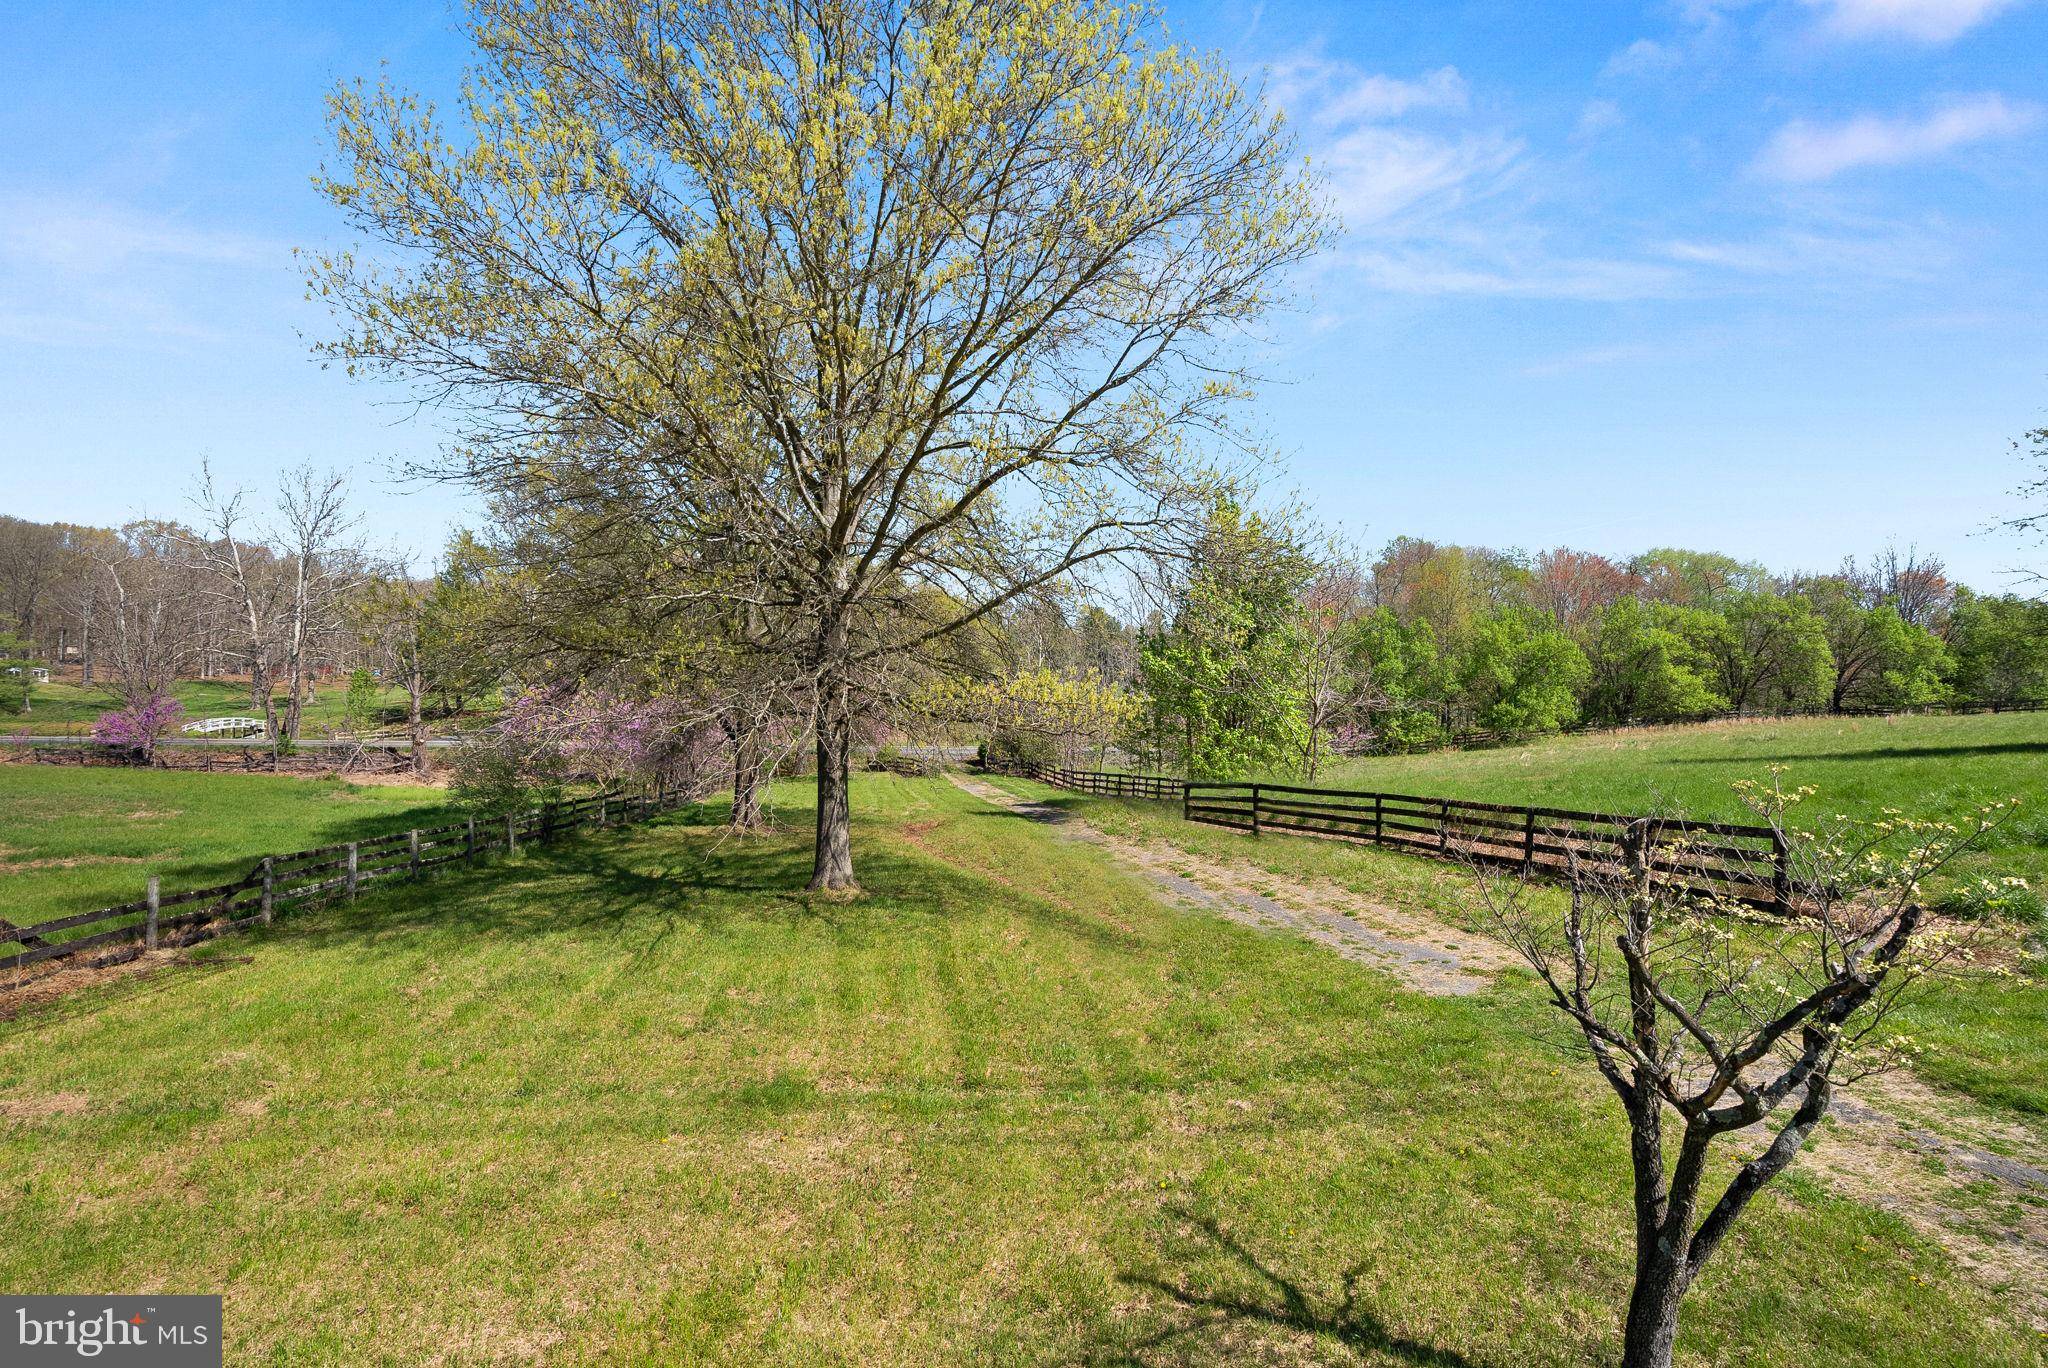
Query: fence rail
1107, 784
1726, 859
1481, 738
307, 876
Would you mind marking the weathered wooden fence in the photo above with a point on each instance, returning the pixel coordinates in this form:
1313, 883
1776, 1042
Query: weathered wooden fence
1745, 863
1105, 784
1480, 738
306, 876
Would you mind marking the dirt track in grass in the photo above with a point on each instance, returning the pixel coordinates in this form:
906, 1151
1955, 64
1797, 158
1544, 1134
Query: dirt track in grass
1421, 952
1974, 1182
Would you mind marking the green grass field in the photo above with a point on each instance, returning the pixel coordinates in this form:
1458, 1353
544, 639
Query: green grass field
74, 839
632, 1099
1986, 1036
66, 709
1926, 766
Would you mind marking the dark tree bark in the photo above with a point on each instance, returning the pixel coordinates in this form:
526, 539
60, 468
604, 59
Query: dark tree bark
1700, 1035
832, 861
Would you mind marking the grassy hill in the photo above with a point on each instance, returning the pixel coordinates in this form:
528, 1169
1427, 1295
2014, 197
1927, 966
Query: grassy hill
1923, 765
631, 1099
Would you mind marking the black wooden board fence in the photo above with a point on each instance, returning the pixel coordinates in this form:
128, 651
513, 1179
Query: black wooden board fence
1725, 859
302, 877
1480, 738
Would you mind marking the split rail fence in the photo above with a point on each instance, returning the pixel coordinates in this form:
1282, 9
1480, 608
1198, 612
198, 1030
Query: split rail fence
1745, 863
303, 877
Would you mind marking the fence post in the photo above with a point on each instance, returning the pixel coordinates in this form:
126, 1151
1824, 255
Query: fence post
1255, 809
469, 838
1186, 798
1781, 875
412, 846
353, 851
1379, 834
269, 904
1528, 843
511, 834
604, 809
1443, 826
149, 926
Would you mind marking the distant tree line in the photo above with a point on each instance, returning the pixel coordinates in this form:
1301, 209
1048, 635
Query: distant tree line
1263, 651
280, 596
1256, 650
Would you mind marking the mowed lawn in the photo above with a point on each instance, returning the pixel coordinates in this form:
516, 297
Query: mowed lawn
1984, 1034
75, 839
634, 1099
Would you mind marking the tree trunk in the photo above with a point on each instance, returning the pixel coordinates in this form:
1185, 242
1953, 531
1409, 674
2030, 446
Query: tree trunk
832, 863
746, 787
271, 725
259, 686
748, 762
1652, 1326
415, 724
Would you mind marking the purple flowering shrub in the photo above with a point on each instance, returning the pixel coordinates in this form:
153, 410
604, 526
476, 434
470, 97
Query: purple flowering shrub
140, 726
546, 738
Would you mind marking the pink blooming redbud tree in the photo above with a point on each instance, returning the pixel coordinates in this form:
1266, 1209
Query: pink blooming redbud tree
546, 738
138, 728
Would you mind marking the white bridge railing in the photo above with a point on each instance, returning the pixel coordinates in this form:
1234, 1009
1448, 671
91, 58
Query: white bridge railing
224, 726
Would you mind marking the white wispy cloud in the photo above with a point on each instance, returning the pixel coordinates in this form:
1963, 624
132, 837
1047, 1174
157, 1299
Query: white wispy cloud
1641, 58
1926, 21
1378, 162
1378, 176
1439, 199
1588, 358
74, 269
98, 237
1859, 251
1805, 152
1497, 270
1328, 92
1387, 97
1595, 118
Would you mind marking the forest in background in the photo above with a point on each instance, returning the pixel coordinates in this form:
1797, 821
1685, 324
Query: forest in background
1263, 649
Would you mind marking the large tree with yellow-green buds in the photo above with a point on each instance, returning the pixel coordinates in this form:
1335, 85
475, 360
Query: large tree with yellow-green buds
854, 298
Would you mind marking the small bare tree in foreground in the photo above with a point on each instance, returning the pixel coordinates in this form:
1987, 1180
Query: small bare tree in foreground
1694, 1006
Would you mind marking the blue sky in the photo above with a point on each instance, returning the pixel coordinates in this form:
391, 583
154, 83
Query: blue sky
1767, 277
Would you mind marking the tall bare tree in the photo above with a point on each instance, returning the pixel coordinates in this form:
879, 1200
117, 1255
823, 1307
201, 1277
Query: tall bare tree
324, 564
243, 579
1331, 605
877, 297
286, 586
150, 638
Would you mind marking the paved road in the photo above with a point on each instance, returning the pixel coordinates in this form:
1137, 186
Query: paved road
239, 743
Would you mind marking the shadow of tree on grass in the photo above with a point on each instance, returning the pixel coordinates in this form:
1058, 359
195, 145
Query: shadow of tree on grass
1272, 1299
